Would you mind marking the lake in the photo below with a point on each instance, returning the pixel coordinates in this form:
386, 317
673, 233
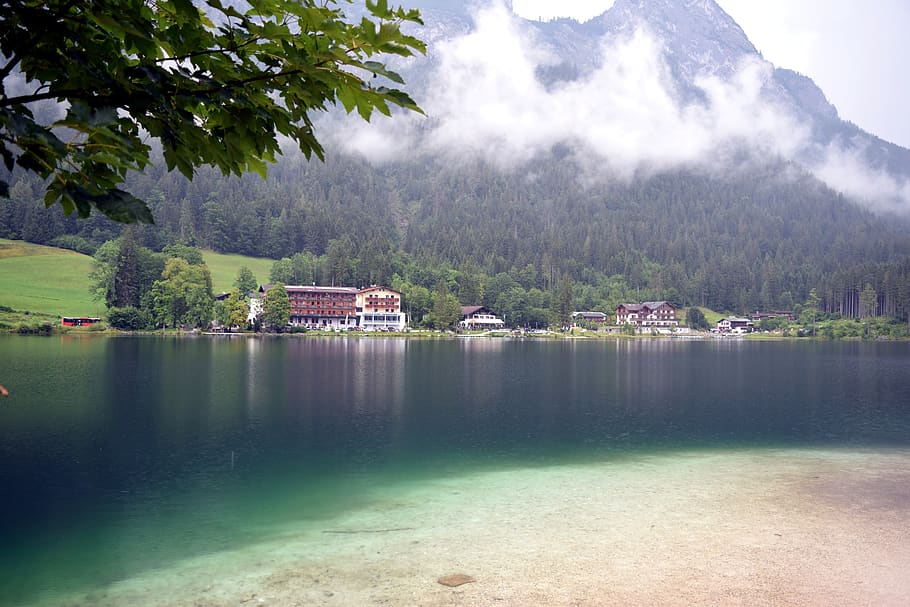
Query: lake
346, 471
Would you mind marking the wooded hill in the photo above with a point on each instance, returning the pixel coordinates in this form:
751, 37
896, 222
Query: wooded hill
747, 239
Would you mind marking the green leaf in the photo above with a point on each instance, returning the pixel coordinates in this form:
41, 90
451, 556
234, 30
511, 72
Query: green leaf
380, 70
122, 207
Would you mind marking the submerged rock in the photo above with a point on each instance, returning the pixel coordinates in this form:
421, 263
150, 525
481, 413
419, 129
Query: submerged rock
455, 579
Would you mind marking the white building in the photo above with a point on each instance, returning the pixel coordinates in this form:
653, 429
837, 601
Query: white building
478, 317
379, 309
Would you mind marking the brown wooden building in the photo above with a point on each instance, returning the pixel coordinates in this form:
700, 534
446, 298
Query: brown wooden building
648, 314
323, 307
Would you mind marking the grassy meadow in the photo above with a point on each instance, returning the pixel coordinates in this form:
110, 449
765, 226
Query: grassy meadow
224, 269
45, 280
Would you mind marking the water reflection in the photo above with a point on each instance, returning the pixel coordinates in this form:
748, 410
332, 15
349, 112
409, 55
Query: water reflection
195, 444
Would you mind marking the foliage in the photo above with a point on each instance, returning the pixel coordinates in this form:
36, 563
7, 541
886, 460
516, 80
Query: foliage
74, 243
745, 243
192, 255
871, 328
246, 281
234, 310
562, 312
809, 313
446, 311
39, 328
213, 87
695, 319
276, 308
183, 295
129, 318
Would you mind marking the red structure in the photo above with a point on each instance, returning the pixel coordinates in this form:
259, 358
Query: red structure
79, 321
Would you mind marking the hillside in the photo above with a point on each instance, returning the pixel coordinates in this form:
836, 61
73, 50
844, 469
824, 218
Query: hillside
49, 280
224, 266
648, 154
46, 280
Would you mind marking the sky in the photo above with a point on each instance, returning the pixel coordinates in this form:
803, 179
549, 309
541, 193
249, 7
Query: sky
855, 51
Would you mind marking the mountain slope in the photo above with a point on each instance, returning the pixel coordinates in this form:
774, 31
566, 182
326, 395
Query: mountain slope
704, 65
650, 153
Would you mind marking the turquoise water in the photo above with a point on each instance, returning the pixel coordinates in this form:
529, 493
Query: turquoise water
124, 455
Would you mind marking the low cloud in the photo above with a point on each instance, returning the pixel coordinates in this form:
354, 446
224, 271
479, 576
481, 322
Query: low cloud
846, 171
624, 118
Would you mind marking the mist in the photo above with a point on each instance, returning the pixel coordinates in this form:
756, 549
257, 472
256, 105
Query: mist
624, 119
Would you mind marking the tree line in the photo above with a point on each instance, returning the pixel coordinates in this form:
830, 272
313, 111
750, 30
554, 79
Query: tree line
744, 241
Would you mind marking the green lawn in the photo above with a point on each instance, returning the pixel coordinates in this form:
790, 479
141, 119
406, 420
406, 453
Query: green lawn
224, 269
46, 280
55, 281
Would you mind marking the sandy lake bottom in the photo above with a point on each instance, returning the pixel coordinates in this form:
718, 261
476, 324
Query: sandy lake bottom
749, 527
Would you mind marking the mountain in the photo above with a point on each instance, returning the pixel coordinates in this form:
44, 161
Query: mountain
707, 56
649, 153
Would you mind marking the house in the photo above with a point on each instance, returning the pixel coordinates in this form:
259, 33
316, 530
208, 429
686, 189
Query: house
323, 307
785, 314
379, 309
478, 317
735, 324
315, 307
595, 317
648, 314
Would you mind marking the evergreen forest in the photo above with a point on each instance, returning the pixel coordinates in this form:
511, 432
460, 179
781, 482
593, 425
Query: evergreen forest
752, 238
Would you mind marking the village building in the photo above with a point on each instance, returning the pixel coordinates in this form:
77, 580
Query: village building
784, 314
323, 307
379, 309
648, 314
595, 317
479, 318
315, 307
735, 324
345, 308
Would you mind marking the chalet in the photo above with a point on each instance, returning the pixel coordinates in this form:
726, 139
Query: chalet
649, 314
784, 314
478, 317
734, 324
596, 317
323, 307
379, 309
315, 307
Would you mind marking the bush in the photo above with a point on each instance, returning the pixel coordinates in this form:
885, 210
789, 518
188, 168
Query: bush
129, 318
74, 243
44, 328
695, 318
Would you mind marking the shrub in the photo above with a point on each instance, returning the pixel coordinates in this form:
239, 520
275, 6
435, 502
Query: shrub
74, 243
129, 318
44, 328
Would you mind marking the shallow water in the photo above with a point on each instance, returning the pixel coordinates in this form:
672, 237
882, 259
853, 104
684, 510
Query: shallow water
148, 470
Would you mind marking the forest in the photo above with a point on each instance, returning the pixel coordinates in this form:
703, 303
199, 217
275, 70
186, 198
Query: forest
757, 237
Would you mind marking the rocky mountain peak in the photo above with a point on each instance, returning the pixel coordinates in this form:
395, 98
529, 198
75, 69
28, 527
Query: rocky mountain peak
698, 35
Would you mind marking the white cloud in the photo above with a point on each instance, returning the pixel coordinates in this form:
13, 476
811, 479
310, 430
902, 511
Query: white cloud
623, 119
846, 171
